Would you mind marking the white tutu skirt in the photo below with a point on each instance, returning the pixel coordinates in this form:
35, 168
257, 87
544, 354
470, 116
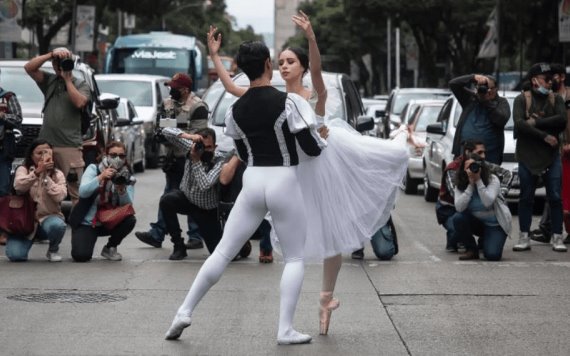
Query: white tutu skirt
349, 190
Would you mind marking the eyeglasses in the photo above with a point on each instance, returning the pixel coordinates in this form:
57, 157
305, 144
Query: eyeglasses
115, 155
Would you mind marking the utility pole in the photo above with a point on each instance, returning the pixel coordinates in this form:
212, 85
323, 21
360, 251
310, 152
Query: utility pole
389, 56
397, 57
498, 29
73, 25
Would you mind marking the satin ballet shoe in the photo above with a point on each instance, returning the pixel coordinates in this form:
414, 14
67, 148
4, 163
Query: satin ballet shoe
294, 337
179, 323
328, 304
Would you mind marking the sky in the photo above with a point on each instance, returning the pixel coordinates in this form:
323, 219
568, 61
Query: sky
257, 13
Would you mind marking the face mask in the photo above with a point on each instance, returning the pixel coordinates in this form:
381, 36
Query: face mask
116, 162
207, 156
175, 94
542, 90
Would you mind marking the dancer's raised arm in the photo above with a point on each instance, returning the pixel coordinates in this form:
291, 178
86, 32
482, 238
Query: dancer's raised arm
214, 43
302, 20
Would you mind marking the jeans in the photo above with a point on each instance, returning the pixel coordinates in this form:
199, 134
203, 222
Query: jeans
552, 178
53, 228
450, 232
83, 238
174, 203
5, 177
264, 231
494, 237
173, 179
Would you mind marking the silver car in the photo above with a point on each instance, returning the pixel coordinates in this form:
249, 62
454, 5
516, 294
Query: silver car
129, 130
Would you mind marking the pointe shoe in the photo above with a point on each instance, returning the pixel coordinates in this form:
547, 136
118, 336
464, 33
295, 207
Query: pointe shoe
328, 304
179, 323
294, 337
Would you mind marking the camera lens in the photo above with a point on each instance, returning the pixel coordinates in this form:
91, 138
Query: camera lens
67, 64
482, 89
474, 167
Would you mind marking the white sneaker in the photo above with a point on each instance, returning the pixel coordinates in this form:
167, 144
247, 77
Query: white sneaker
558, 243
53, 256
524, 242
293, 337
111, 253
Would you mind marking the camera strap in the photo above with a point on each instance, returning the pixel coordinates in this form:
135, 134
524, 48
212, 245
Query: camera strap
51, 94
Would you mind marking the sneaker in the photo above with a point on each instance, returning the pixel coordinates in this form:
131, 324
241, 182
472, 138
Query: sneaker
469, 255
558, 244
194, 244
53, 256
245, 250
524, 242
111, 253
567, 239
539, 236
358, 254
451, 248
147, 238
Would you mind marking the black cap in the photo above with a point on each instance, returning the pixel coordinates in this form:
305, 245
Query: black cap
539, 68
558, 68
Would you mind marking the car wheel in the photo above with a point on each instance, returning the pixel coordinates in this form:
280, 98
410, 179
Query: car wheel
430, 193
410, 185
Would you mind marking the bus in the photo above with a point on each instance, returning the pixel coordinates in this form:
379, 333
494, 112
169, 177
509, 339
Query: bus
159, 53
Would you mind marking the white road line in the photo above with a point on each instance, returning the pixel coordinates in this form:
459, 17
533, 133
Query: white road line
422, 247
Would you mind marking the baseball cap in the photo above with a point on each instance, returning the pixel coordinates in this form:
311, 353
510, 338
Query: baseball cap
539, 68
558, 68
180, 80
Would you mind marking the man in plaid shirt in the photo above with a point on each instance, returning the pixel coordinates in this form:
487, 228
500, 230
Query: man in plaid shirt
198, 194
10, 118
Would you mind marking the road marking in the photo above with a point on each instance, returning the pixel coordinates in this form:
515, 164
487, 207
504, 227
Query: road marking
422, 247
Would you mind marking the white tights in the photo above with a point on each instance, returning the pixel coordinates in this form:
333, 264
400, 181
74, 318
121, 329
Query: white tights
264, 188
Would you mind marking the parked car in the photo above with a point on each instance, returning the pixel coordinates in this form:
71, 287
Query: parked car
147, 93
418, 115
15, 78
398, 99
438, 153
376, 108
343, 101
129, 129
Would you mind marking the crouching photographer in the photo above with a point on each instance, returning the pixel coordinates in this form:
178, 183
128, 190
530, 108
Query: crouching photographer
105, 206
198, 196
480, 204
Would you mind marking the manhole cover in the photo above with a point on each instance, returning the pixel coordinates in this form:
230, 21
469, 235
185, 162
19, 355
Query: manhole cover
68, 297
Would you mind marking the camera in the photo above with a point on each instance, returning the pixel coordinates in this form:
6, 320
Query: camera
67, 64
475, 167
199, 147
482, 89
123, 177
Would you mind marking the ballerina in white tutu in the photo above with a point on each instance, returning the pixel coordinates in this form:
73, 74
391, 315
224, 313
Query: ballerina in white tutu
350, 189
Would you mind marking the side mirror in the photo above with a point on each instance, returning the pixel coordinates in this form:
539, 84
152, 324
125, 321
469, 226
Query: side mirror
121, 121
435, 129
364, 123
109, 103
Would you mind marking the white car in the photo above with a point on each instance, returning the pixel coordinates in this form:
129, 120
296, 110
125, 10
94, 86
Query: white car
147, 93
129, 130
437, 154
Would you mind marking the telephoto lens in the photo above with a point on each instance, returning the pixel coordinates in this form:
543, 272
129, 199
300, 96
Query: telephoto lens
475, 167
482, 89
67, 64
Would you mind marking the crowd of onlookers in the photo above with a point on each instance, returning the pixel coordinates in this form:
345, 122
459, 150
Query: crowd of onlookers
472, 195
202, 183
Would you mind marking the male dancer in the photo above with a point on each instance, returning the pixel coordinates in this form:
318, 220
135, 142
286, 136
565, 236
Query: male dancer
266, 125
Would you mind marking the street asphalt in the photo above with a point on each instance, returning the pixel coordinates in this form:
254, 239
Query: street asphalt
422, 302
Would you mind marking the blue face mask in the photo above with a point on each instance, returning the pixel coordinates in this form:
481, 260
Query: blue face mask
542, 90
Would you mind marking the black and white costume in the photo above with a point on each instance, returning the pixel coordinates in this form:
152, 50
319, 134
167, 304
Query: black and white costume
272, 131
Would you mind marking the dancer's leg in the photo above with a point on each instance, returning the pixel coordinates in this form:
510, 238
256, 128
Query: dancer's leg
331, 268
290, 224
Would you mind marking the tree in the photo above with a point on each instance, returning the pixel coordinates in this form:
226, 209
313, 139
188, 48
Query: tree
46, 18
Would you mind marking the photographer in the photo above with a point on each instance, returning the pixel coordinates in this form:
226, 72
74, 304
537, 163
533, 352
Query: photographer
65, 98
46, 185
198, 195
484, 115
191, 114
110, 183
479, 202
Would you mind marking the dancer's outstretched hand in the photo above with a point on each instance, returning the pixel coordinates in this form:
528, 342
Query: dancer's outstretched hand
214, 42
323, 131
302, 20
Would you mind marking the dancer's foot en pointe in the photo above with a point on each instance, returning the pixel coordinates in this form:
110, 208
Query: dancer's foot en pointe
179, 323
293, 337
327, 305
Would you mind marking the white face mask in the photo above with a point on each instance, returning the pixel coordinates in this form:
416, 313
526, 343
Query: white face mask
542, 90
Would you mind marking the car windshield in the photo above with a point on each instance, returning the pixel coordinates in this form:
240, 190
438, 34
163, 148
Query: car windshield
509, 126
139, 92
403, 98
427, 116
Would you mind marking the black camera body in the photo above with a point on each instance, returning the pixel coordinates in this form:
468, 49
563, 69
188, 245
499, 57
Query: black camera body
475, 167
199, 147
67, 64
123, 177
482, 89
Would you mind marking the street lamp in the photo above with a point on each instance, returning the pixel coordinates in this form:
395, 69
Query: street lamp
203, 4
